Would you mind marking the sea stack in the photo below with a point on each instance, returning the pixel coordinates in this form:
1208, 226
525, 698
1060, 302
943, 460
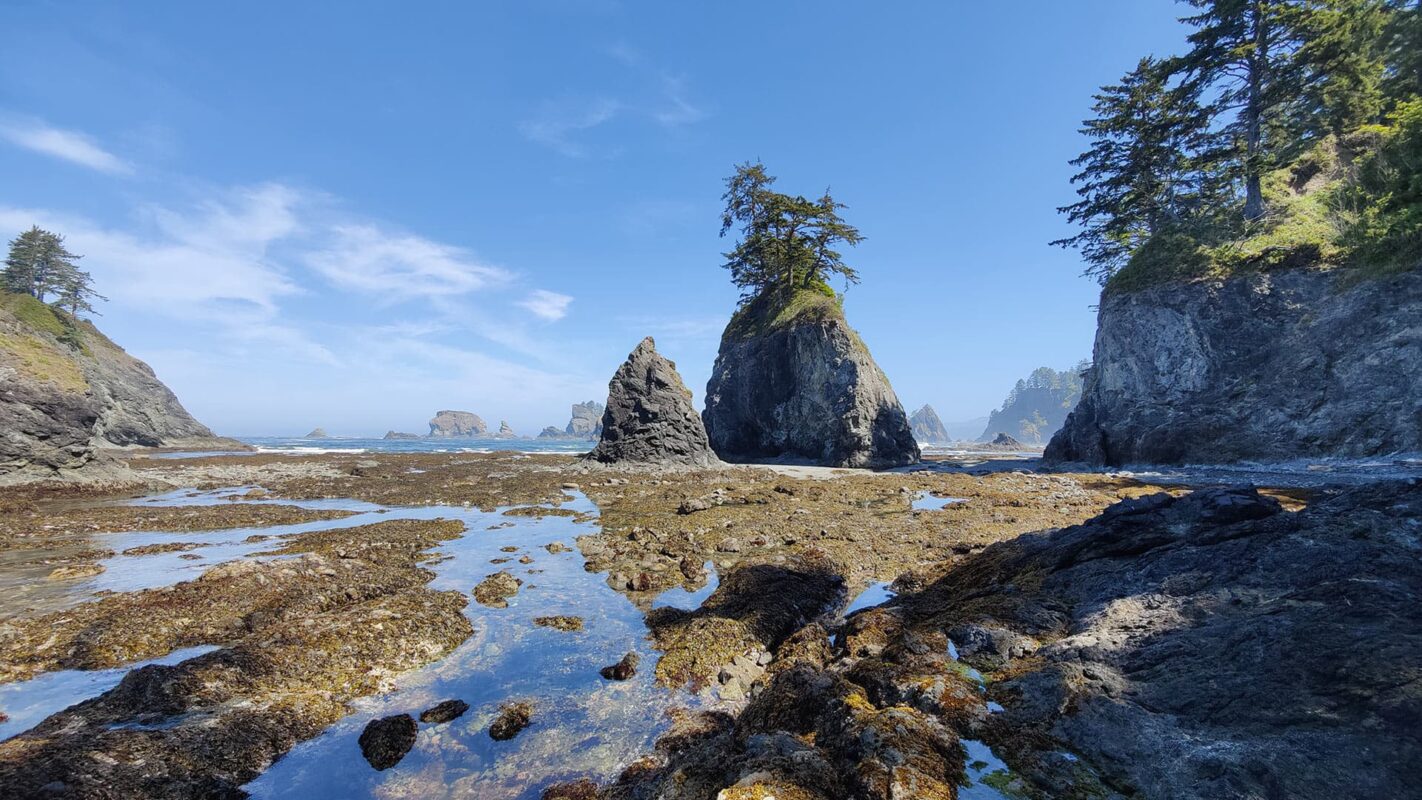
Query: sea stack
649, 418
456, 425
794, 382
586, 419
927, 427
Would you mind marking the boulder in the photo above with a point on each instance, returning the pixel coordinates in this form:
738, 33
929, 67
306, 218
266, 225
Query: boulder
385, 741
513, 718
793, 382
456, 425
446, 711
649, 418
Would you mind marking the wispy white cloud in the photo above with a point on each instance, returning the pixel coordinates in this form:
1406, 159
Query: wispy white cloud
558, 123
677, 109
71, 146
368, 258
547, 305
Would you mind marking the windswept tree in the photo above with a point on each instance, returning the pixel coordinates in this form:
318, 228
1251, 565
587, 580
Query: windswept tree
786, 241
1145, 167
39, 265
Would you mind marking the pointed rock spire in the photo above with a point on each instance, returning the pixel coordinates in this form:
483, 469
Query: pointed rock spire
649, 418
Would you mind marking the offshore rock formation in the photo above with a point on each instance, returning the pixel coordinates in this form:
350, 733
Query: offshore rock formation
1260, 367
67, 393
587, 419
927, 427
505, 431
794, 382
317, 433
1036, 407
649, 418
397, 435
456, 425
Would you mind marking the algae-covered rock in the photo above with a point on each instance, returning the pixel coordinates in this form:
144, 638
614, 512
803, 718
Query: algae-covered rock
385, 741
793, 381
495, 590
512, 719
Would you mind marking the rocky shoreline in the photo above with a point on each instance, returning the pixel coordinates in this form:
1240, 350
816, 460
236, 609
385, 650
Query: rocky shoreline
1082, 636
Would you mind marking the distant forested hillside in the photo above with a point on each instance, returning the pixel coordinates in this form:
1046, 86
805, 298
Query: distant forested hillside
1037, 406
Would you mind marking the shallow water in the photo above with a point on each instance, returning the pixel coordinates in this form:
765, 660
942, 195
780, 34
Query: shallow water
874, 594
29, 702
583, 724
925, 501
303, 446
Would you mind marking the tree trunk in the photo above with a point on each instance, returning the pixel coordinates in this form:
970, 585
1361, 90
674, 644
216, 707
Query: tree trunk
1253, 116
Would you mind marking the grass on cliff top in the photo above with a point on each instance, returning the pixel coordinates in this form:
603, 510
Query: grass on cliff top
1351, 203
43, 361
776, 308
33, 313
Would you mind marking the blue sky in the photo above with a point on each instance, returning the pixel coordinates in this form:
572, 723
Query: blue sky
354, 214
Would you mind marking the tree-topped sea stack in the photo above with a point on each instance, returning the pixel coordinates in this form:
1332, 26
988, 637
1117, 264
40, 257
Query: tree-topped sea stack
649, 418
792, 380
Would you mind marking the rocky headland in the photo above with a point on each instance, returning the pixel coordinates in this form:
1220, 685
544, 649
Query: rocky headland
793, 382
456, 425
69, 395
1259, 367
1037, 406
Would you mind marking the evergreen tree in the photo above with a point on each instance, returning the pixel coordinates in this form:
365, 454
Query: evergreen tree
1404, 50
1247, 52
1342, 64
38, 264
1143, 169
786, 240
76, 292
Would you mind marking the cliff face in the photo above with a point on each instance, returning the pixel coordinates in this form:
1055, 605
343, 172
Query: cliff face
586, 420
793, 381
67, 393
1260, 367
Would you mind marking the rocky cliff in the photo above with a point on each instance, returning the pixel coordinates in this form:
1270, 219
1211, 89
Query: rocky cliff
927, 427
649, 418
456, 425
67, 393
1268, 367
793, 381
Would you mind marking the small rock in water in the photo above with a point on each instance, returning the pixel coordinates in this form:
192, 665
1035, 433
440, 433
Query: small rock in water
581, 789
75, 572
513, 717
561, 623
495, 590
556, 547
525, 559
386, 740
444, 712
623, 669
